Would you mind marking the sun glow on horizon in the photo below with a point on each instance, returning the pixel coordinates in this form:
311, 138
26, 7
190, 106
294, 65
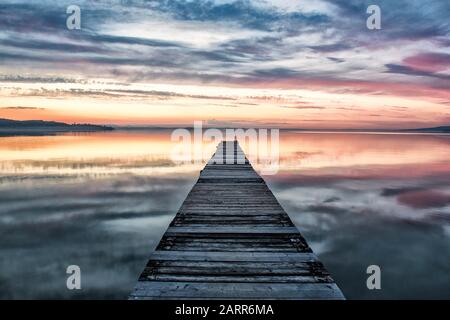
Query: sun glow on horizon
169, 104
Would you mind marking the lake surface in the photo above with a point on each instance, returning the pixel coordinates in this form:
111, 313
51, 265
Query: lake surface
103, 200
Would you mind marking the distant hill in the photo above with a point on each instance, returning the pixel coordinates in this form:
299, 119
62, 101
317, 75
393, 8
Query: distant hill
40, 126
441, 129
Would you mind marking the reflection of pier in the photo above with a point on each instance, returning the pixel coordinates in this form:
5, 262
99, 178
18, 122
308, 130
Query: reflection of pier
231, 239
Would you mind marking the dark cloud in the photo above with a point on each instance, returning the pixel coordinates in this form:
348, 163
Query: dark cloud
52, 46
24, 79
405, 70
110, 39
28, 17
331, 47
100, 60
390, 192
332, 199
177, 75
338, 60
255, 49
242, 12
275, 73
169, 94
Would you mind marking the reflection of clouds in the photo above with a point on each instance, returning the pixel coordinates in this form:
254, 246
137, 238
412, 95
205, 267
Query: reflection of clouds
352, 223
325, 151
107, 226
372, 199
367, 198
75, 166
93, 155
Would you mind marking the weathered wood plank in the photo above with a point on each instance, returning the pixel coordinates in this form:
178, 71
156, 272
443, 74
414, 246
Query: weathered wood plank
231, 239
231, 230
244, 266
259, 257
201, 277
208, 290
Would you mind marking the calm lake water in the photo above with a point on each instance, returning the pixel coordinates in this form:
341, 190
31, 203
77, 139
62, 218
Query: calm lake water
103, 200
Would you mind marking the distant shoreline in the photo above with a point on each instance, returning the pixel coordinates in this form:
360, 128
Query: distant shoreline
39, 127
441, 129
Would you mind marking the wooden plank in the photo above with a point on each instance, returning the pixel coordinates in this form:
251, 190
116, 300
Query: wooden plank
207, 290
201, 277
235, 266
231, 239
175, 255
231, 230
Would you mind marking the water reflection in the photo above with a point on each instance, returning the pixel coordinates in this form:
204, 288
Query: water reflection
103, 200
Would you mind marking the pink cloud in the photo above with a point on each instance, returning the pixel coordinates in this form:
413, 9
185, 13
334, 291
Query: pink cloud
431, 62
352, 87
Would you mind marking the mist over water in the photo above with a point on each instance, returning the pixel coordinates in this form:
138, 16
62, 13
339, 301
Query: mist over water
103, 200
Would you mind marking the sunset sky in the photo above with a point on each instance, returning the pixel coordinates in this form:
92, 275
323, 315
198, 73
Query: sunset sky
274, 63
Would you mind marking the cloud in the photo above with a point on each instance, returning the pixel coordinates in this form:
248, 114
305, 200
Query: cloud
303, 107
168, 94
428, 62
29, 17
30, 79
338, 60
424, 199
113, 93
389, 192
336, 47
114, 39
413, 71
244, 12
22, 108
51, 46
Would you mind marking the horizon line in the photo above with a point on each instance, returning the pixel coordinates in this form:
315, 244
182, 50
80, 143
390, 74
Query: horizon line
190, 127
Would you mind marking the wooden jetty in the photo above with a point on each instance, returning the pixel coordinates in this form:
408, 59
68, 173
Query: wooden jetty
231, 239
